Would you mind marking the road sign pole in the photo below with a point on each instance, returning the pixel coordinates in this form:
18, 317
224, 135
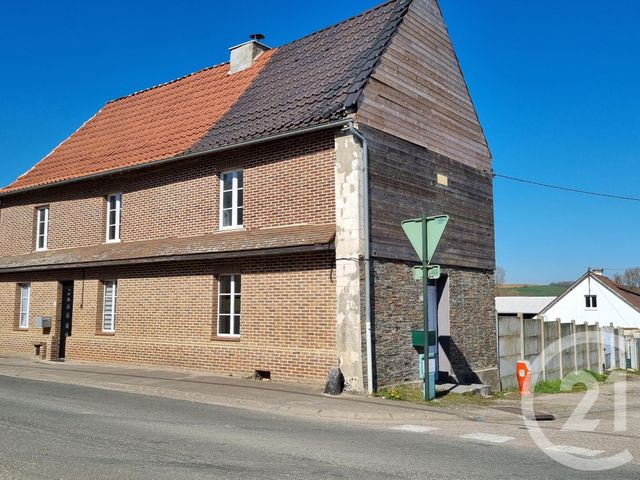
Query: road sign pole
418, 231
425, 305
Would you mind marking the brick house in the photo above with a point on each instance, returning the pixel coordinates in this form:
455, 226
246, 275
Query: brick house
246, 217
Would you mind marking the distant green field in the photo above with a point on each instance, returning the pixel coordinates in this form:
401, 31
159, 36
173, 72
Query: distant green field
531, 290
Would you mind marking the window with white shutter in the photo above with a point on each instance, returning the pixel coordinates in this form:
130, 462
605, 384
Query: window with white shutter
109, 307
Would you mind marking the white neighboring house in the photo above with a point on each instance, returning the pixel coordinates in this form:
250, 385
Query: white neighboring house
528, 306
594, 298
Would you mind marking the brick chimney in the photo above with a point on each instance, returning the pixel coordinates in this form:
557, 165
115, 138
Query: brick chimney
243, 55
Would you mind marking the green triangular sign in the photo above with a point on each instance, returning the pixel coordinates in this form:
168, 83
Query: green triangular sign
435, 227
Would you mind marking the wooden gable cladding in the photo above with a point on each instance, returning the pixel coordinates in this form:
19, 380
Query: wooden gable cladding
418, 93
404, 183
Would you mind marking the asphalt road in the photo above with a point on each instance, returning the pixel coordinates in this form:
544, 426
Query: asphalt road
50, 430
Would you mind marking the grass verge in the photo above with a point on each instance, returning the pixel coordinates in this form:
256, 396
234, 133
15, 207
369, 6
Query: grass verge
412, 393
555, 386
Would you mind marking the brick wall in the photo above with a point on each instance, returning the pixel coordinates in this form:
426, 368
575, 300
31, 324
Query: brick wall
45, 297
398, 310
290, 181
166, 316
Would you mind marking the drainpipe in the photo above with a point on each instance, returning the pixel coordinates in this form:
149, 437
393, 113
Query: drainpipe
367, 251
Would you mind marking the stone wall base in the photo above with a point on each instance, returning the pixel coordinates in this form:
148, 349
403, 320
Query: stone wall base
467, 335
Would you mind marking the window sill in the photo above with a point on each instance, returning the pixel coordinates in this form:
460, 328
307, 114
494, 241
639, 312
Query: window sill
231, 229
222, 338
106, 334
20, 329
112, 241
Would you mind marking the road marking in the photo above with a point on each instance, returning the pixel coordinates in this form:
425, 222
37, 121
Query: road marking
583, 452
415, 428
487, 437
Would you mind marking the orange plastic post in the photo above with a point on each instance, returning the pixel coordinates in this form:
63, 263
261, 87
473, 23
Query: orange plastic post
523, 372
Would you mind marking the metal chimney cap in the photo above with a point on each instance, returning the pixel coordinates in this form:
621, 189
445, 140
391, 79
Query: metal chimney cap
257, 37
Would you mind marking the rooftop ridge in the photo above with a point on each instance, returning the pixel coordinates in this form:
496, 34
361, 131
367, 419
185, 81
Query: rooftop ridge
164, 84
334, 25
169, 82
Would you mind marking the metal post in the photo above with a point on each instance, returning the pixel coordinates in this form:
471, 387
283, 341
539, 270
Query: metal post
425, 305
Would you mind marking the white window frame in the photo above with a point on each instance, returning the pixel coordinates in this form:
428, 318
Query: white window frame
234, 200
42, 218
25, 294
118, 211
114, 302
234, 320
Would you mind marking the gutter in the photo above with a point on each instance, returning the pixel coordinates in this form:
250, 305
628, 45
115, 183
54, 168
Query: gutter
153, 163
367, 251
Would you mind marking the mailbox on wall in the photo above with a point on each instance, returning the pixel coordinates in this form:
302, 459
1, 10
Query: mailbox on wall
43, 322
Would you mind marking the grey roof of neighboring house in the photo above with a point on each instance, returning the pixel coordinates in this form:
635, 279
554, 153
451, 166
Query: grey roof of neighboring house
524, 305
315, 79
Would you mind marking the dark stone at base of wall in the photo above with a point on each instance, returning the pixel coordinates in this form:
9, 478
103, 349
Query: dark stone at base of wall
335, 382
397, 310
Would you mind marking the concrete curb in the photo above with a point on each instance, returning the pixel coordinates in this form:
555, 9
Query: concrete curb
300, 401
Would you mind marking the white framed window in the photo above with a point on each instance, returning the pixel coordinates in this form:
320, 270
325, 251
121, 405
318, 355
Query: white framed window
231, 199
229, 287
42, 228
109, 306
591, 301
114, 217
25, 300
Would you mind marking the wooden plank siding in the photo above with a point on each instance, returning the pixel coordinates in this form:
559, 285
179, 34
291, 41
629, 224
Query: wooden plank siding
418, 93
403, 183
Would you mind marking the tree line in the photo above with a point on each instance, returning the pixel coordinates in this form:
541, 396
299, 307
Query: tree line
629, 278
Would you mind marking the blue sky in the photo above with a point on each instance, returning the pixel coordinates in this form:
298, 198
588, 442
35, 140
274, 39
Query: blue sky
555, 85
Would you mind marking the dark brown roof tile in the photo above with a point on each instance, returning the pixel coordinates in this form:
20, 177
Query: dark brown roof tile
628, 294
